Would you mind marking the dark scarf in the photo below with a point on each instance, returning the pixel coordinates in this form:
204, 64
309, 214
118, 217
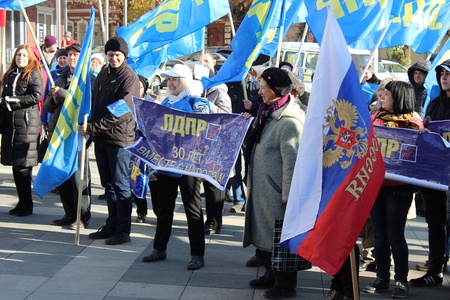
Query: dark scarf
259, 123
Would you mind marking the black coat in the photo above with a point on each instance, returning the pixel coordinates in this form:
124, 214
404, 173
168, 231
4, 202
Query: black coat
21, 125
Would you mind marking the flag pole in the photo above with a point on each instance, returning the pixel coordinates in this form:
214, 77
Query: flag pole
233, 33
102, 21
372, 54
82, 159
297, 58
354, 275
44, 63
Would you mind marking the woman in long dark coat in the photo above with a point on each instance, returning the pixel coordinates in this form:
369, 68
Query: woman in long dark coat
22, 90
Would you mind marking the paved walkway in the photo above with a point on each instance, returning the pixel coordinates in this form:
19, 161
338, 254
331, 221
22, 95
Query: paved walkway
39, 261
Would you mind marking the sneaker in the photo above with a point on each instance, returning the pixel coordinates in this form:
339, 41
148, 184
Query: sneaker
422, 267
140, 219
235, 208
280, 293
103, 233
400, 291
379, 284
428, 279
74, 225
156, 255
197, 262
64, 221
255, 261
334, 295
118, 238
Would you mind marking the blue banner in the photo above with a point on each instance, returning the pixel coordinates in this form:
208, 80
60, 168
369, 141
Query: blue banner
421, 25
356, 18
416, 157
256, 30
172, 20
14, 4
201, 145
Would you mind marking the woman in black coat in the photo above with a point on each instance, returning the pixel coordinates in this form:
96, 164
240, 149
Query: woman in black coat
22, 90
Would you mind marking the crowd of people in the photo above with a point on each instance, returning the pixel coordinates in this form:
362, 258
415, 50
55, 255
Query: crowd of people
31, 105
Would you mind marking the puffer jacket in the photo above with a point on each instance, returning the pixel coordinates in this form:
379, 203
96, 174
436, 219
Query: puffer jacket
21, 124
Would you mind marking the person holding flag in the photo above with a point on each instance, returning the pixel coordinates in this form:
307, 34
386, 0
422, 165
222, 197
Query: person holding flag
68, 190
272, 150
111, 134
392, 204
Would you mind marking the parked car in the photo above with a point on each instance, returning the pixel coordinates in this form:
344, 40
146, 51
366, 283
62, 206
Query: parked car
194, 58
395, 69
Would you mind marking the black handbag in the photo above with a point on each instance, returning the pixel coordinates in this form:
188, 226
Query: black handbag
282, 258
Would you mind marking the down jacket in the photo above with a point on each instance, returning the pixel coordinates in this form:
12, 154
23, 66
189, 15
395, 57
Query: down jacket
21, 124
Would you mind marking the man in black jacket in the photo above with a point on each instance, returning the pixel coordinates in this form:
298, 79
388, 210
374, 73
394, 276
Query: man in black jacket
111, 135
68, 190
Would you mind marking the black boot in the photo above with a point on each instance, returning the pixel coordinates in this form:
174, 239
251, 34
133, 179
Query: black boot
15, 209
22, 178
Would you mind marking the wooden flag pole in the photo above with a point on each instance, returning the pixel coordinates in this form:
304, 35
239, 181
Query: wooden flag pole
354, 275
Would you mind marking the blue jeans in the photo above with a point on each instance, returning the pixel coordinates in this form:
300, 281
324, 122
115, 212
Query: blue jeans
112, 163
388, 215
235, 183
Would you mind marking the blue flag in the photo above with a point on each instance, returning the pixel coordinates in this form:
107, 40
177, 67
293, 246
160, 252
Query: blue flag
170, 21
255, 31
356, 18
290, 13
146, 63
61, 159
421, 25
14, 4
431, 84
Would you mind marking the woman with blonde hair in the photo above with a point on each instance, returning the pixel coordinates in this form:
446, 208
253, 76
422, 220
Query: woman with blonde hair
22, 90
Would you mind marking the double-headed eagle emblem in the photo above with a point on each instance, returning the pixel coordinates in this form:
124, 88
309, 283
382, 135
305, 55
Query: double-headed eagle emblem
343, 137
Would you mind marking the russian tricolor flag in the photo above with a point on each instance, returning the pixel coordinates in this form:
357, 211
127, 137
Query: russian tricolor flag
339, 167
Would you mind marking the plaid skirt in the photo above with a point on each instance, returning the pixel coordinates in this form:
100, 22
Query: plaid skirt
282, 258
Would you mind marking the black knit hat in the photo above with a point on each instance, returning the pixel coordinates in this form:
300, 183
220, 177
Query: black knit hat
278, 80
117, 44
61, 52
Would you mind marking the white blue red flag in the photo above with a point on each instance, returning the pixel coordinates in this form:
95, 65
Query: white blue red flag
339, 167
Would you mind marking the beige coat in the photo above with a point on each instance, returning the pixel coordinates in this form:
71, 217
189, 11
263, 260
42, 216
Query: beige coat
270, 174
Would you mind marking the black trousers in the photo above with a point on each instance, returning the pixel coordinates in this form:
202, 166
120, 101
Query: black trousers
167, 195
22, 179
435, 203
214, 200
284, 280
342, 280
68, 193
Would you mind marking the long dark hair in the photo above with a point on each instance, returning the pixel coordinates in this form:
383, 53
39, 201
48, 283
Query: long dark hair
33, 63
403, 96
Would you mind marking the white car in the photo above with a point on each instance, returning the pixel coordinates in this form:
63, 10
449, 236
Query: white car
395, 69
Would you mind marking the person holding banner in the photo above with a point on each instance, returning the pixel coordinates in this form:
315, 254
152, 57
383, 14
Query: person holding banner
272, 150
435, 201
111, 133
392, 204
68, 190
23, 87
183, 94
